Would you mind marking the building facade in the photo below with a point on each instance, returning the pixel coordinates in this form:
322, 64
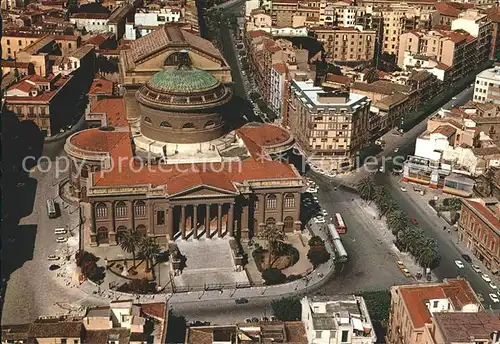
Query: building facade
347, 44
413, 306
487, 86
329, 125
479, 226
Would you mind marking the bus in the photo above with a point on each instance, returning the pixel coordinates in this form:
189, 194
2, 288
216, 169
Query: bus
340, 224
51, 209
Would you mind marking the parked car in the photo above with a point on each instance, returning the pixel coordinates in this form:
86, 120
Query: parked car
312, 190
52, 257
396, 150
494, 298
319, 219
324, 212
466, 258
402, 188
476, 268
406, 272
493, 286
459, 264
486, 278
61, 239
241, 300
54, 267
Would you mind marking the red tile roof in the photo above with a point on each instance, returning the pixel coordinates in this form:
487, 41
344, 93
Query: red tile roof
114, 108
101, 86
280, 67
155, 310
23, 86
485, 212
15, 64
264, 134
446, 130
97, 140
340, 79
458, 291
98, 40
452, 9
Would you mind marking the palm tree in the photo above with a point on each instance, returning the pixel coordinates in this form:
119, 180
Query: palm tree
272, 235
371, 75
366, 189
411, 238
381, 196
397, 221
389, 206
150, 249
428, 253
129, 242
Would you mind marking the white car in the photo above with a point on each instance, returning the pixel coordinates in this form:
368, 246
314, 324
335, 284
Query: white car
402, 188
476, 268
61, 239
459, 264
315, 198
312, 190
486, 278
52, 257
324, 212
493, 286
381, 169
494, 298
396, 150
319, 219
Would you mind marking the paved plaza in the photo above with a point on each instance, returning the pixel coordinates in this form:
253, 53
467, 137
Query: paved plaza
208, 262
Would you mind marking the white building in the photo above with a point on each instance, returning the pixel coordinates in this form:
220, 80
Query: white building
277, 89
93, 22
251, 5
147, 20
487, 87
337, 320
341, 14
421, 62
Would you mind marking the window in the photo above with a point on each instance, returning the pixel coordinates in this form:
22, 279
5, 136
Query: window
148, 120
289, 201
120, 233
63, 341
19, 42
101, 211
19, 110
271, 222
8, 51
345, 336
188, 126
141, 230
209, 124
165, 124
31, 110
435, 304
160, 217
271, 202
42, 111
318, 334
121, 209
140, 208
102, 235
288, 222
75, 341
256, 204
8, 42
69, 45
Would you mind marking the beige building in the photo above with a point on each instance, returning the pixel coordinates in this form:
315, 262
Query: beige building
329, 125
347, 44
13, 42
413, 307
285, 13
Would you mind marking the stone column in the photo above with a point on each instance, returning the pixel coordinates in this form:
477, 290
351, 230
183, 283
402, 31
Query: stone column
170, 223
219, 220
280, 197
230, 221
183, 221
207, 221
195, 221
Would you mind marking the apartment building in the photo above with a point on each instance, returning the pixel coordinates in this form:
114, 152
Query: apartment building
148, 19
347, 45
279, 84
494, 15
456, 50
479, 229
460, 328
487, 86
340, 14
330, 125
447, 12
414, 306
14, 41
394, 26
293, 13
479, 26
342, 319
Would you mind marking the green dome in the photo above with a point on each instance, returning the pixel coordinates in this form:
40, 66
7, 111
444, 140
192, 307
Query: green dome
183, 80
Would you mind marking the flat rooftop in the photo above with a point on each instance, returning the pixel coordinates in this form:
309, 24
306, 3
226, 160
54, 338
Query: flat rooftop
491, 74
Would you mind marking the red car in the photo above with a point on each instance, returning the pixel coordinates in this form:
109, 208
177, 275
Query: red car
413, 220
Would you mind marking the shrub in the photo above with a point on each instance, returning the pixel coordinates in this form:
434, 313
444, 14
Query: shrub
287, 309
292, 278
316, 241
273, 276
257, 257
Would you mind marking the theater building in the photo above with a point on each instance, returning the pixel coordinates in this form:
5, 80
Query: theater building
179, 170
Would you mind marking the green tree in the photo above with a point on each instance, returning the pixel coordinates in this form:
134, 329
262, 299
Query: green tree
273, 276
366, 189
287, 309
271, 234
129, 242
150, 250
381, 196
411, 238
176, 328
315, 241
428, 253
397, 221
389, 206
318, 255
